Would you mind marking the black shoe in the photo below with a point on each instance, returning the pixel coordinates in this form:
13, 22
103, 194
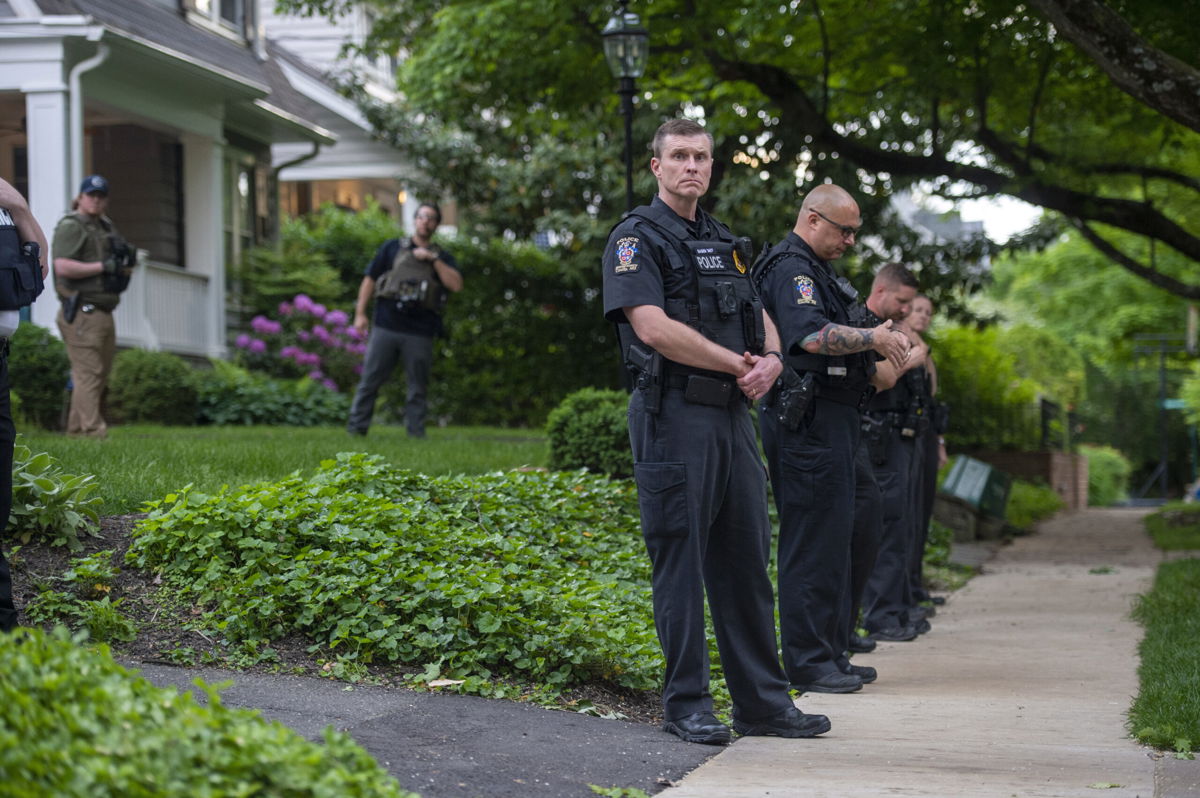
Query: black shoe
791, 722
895, 634
864, 672
699, 727
938, 600
920, 612
835, 682
861, 645
922, 626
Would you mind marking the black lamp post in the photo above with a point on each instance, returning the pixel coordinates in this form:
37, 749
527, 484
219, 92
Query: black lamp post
626, 47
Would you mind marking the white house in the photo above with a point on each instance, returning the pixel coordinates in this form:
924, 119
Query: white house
178, 103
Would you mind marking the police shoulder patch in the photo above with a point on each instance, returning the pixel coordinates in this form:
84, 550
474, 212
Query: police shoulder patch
627, 249
804, 289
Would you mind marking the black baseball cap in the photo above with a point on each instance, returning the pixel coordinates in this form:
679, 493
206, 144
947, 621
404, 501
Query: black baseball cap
94, 184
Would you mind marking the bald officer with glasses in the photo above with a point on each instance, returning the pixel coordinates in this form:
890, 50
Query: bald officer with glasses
811, 424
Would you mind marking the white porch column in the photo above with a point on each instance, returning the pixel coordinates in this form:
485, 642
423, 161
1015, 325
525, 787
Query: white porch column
203, 159
49, 164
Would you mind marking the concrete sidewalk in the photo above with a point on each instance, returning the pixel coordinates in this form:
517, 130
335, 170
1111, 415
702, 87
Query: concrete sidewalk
1020, 689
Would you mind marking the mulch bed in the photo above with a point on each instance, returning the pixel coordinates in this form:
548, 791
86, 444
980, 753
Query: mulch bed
164, 637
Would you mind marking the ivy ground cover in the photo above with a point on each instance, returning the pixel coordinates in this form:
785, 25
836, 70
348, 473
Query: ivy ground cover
520, 577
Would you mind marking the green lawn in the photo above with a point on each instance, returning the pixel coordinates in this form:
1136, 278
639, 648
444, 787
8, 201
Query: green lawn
1166, 713
1175, 526
142, 462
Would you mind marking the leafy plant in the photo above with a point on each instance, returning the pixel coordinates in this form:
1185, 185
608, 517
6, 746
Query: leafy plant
589, 430
154, 387
75, 724
92, 576
1030, 502
1108, 475
48, 503
269, 275
38, 369
345, 239
530, 575
229, 394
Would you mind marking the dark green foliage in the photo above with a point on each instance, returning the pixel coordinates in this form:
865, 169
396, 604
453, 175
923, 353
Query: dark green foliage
1166, 712
269, 275
531, 575
343, 239
522, 334
1108, 475
152, 387
74, 724
590, 430
38, 370
1175, 526
1030, 502
50, 504
231, 395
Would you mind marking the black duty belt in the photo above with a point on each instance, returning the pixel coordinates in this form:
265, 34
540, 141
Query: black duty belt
702, 389
844, 396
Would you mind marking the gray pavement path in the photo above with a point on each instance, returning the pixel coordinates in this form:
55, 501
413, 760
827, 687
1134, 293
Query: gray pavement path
1020, 689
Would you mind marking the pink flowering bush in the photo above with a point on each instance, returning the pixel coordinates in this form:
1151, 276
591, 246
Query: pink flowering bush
306, 340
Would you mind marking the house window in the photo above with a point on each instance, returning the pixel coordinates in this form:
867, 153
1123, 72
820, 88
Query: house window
228, 14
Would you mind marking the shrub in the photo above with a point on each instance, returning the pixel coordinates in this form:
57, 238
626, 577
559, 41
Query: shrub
38, 370
47, 503
231, 395
345, 239
533, 575
589, 430
1108, 475
1029, 502
308, 340
152, 387
269, 275
75, 724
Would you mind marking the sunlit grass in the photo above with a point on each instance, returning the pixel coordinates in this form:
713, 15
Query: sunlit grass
139, 463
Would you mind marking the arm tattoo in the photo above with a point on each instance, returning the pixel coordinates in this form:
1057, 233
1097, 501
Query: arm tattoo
835, 339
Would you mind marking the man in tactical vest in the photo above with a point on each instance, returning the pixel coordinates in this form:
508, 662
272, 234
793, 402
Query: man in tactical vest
410, 277
92, 266
811, 425
18, 230
694, 333
897, 415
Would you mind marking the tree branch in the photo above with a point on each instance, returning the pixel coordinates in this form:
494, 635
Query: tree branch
1150, 275
1138, 68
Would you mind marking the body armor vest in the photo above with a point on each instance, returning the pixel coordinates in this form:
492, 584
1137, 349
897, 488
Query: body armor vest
720, 302
94, 289
412, 280
841, 308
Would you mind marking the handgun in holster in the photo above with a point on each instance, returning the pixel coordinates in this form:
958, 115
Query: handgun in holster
70, 307
791, 397
647, 367
875, 432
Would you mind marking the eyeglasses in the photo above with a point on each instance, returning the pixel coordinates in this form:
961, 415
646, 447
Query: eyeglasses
846, 230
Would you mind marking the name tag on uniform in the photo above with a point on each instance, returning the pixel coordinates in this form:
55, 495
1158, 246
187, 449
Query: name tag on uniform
836, 371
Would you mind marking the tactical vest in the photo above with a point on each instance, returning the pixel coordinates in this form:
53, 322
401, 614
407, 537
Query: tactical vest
412, 280
836, 370
95, 289
20, 269
720, 302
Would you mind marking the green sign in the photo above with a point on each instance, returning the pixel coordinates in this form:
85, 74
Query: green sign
979, 485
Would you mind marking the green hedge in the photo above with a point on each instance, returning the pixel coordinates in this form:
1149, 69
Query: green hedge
151, 387
590, 430
1108, 475
1030, 502
74, 724
38, 370
229, 394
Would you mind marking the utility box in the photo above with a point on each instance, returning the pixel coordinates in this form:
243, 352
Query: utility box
979, 485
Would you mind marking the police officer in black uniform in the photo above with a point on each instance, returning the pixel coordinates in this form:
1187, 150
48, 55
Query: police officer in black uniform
896, 415
811, 430
694, 334
21, 239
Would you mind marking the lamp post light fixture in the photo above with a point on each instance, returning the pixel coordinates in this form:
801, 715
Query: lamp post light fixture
626, 48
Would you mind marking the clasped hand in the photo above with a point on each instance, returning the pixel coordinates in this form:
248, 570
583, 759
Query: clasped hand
762, 373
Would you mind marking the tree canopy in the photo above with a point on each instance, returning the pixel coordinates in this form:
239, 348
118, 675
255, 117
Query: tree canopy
964, 98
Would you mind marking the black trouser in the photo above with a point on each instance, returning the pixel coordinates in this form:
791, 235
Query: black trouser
812, 476
8, 434
864, 544
926, 491
888, 597
702, 494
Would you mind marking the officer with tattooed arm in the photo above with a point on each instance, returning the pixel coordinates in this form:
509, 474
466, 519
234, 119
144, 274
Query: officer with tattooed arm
811, 450
693, 331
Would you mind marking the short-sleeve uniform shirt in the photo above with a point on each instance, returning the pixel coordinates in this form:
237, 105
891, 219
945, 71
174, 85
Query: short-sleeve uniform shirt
796, 295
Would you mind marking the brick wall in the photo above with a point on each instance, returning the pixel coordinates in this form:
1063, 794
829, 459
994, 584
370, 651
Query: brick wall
1066, 473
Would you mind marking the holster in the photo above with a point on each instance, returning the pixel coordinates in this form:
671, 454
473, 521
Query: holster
875, 432
791, 397
646, 366
70, 307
